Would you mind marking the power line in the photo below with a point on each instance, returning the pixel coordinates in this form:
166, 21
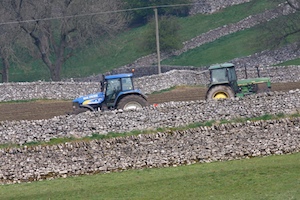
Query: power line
97, 13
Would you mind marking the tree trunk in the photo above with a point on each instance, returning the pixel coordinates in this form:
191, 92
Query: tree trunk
55, 73
56, 39
4, 73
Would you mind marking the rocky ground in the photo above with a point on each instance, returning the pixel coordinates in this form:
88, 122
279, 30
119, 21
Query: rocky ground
45, 109
219, 142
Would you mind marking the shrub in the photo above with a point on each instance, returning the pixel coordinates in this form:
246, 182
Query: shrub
168, 35
142, 16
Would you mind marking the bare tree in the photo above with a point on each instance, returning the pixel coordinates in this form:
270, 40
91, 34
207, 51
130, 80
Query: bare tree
8, 36
57, 27
5, 52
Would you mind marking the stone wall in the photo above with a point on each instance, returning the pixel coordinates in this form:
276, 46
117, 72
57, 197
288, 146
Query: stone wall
173, 148
46, 90
211, 6
148, 84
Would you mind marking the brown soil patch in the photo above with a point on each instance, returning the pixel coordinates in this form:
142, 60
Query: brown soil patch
48, 109
33, 110
182, 93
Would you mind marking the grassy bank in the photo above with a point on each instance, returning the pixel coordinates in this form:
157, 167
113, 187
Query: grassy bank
239, 44
273, 177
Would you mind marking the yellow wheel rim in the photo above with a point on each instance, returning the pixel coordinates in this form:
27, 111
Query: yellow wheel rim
221, 95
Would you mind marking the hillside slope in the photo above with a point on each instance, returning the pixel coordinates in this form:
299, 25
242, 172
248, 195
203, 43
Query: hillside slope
219, 36
189, 53
234, 34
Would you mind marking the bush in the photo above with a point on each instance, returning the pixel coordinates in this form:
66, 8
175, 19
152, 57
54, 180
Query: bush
142, 16
168, 35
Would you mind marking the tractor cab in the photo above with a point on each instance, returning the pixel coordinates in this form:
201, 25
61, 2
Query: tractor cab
223, 74
115, 85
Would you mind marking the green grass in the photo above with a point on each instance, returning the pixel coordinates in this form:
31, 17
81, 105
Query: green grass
291, 62
236, 45
219, 51
239, 44
273, 177
126, 47
195, 25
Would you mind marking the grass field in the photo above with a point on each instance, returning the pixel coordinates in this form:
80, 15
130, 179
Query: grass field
273, 177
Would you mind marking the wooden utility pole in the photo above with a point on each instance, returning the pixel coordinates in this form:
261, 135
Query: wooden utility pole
157, 41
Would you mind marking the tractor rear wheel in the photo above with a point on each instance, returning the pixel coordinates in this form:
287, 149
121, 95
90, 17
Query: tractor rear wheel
220, 92
132, 102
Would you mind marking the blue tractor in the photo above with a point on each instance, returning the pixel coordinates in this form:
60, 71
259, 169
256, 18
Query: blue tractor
117, 92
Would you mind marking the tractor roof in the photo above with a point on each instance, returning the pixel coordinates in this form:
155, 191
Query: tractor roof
116, 76
218, 66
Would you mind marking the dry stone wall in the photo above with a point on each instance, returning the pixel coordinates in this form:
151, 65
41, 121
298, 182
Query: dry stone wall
147, 84
171, 114
204, 144
46, 90
211, 6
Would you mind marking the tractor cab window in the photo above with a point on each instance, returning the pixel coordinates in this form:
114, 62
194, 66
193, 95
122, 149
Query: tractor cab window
219, 75
127, 84
113, 87
232, 74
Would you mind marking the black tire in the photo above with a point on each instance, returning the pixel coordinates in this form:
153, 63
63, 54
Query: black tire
220, 92
132, 102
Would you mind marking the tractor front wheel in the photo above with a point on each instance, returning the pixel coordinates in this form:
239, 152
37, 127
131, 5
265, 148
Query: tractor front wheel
220, 92
132, 102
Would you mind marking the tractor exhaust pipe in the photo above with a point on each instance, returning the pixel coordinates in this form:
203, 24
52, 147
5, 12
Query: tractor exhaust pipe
246, 74
258, 72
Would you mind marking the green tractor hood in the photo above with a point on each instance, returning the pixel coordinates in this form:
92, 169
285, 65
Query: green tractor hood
245, 82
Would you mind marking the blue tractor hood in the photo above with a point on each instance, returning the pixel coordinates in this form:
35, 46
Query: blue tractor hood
90, 99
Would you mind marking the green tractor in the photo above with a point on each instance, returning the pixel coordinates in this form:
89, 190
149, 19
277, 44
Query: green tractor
224, 83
